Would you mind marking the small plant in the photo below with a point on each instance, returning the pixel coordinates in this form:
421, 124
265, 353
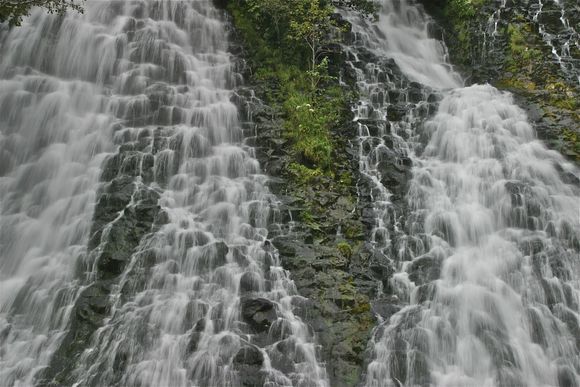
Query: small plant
522, 56
344, 249
302, 174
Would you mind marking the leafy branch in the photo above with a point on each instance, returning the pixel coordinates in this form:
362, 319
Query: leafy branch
12, 11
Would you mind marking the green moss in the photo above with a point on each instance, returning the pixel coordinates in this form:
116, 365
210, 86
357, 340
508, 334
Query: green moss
316, 120
570, 135
571, 142
310, 99
362, 307
302, 174
522, 56
345, 249
461, 16
345, 179
565, 103
516, 83
353, 230
563, 96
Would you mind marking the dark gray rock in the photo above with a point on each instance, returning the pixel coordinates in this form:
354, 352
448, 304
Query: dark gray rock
248, 363
258, 313
425, 269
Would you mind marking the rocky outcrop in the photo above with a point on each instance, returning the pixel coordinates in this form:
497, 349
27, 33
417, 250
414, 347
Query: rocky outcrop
319, 232
319, 235
325, 221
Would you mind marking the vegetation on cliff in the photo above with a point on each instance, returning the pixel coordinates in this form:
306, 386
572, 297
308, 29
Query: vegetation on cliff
294, 58
293, 51
287, 46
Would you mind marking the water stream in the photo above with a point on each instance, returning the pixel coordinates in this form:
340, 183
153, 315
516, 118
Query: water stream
137, 95
489, 290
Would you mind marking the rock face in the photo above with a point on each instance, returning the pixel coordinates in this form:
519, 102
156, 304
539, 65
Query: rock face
259, 314
319, 236
324, 223
319, 233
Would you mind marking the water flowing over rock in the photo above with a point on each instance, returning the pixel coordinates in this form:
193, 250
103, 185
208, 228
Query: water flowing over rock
487, 257
155, 228
133, 217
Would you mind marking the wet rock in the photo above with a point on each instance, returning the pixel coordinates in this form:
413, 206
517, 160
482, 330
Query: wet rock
281, 360
250, 282
248, 365
249, 355
531, 246
120, 362
397, 112
569, 318
425, 269
425, 292
212, 256
386, 307
286, 245
258, 313
507, 376
196, 334
567, 377
315, 216
415, 95
93, 304
381, 272
536, 328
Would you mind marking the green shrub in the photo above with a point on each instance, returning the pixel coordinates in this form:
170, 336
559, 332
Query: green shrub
344, 249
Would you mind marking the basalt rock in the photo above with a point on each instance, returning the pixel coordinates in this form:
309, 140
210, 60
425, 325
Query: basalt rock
318, 236
258, 313
248, 363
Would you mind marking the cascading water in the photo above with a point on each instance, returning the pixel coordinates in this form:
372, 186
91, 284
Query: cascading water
561, 36
489, 288
143, 89
401, 33
54, 132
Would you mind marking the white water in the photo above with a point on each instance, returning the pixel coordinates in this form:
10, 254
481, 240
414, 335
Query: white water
70, 89
489, 204
54, 130
401, 33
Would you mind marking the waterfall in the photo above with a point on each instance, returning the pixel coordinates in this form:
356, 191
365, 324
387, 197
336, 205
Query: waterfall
55, 131
133, 218
488, 268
